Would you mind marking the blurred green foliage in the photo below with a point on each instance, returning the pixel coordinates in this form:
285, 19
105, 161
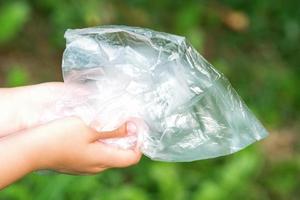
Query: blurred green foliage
17, 76
254, 43
12, 18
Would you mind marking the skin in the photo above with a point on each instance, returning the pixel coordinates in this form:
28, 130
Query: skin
66, 145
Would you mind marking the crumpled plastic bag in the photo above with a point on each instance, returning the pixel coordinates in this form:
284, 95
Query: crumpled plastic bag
185, 109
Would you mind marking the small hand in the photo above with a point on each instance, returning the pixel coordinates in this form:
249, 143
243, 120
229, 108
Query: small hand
65, 145
22, 107
70, 146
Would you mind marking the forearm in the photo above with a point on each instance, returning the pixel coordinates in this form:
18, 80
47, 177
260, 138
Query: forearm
21, 107
17, 157
10, 120
33, 149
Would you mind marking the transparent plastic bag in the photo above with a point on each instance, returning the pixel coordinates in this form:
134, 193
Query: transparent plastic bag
185, 110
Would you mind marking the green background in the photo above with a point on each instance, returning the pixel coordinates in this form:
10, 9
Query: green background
256, 44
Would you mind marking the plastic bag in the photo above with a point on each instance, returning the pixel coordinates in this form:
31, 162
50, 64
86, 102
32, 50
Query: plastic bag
185, 110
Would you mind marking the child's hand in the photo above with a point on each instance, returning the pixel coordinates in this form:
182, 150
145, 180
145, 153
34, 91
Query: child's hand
66, 145
22, 107
70, 146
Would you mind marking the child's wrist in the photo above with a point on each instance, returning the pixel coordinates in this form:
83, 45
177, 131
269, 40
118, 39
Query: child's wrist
35, 150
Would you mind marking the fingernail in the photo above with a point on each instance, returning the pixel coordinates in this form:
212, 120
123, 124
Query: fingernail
131, 128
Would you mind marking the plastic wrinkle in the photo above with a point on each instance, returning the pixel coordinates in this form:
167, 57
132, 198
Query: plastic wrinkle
184, 109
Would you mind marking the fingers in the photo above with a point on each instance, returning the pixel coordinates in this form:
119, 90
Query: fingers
101, 155
114, 157
111, 156
126, 129
120, 132
90, 171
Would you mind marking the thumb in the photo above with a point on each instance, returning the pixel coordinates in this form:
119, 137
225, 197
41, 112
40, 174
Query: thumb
129, 128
